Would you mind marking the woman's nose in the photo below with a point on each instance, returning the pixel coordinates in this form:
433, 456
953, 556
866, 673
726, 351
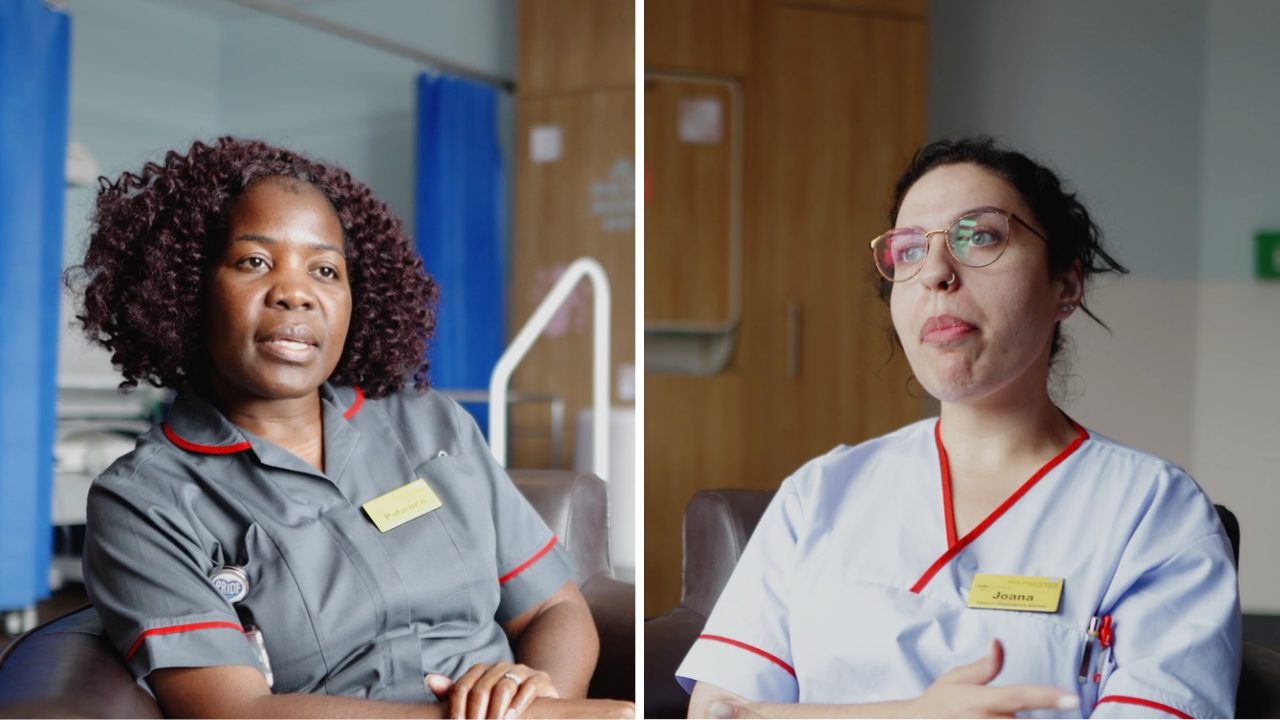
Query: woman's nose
939, 269
291, 291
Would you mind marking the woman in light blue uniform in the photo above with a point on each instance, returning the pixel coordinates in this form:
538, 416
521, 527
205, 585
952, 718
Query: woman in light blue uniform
1001, 558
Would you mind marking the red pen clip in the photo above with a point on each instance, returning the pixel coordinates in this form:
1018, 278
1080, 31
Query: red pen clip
1104, 633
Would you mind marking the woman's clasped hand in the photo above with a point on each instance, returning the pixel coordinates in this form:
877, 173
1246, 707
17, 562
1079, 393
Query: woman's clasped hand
501, 690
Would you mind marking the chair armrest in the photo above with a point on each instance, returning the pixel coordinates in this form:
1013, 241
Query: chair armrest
1258, 695
667, 639
66, 668
613, 607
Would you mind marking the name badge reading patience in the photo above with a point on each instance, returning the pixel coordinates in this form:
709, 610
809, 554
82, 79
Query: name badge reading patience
402, 505
1015, 592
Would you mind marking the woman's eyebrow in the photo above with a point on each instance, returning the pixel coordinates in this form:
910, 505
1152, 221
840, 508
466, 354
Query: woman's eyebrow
264, 240
981, 208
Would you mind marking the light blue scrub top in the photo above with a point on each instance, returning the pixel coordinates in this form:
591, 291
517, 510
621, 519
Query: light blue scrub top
853, 587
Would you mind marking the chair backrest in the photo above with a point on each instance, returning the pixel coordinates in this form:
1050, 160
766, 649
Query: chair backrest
1232, 527
576, 508
717, 526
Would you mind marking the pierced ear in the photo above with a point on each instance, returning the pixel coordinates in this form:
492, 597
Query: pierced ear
1072, 293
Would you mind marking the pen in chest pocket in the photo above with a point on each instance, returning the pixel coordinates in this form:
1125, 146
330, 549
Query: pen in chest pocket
1086, 657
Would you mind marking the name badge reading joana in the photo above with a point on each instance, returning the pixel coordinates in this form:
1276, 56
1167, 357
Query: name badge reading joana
402, 505
1015, 592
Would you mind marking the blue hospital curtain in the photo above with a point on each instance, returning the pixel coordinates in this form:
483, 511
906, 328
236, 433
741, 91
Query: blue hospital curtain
35, 52
460, 229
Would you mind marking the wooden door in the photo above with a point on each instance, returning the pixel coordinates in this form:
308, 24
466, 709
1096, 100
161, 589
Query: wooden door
576, 83
835, 107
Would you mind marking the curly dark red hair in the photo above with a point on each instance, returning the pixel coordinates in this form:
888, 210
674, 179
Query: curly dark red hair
155, 235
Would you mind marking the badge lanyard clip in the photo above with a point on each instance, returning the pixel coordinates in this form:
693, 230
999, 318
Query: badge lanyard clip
233, 584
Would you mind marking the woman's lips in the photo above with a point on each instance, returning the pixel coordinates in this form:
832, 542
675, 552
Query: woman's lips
289, 350
945, 329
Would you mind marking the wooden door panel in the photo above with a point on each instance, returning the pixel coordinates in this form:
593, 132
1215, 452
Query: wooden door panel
702, 36
574, 45
687, 205
835, 106
579, 204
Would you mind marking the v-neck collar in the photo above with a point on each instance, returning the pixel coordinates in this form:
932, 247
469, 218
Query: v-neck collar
954, 545
196, 426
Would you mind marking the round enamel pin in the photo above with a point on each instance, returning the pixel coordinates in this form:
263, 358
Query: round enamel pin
231, 582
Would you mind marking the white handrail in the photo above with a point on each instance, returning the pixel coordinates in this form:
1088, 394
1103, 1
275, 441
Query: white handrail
524, 339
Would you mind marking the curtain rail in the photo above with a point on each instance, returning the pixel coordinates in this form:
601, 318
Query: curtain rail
293, 14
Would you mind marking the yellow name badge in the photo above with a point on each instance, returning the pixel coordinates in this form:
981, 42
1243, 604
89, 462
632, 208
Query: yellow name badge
402, 505
1015, 592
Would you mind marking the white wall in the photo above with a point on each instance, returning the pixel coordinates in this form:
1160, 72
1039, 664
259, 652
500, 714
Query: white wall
144, 79
1236, 436
1159, 113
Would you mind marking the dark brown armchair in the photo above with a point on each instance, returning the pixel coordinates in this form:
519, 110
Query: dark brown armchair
717, 525
66, 667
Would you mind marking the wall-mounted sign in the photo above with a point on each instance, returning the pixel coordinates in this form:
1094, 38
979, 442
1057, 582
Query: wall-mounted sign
546, 143
701, 120
613, 197
1267, 255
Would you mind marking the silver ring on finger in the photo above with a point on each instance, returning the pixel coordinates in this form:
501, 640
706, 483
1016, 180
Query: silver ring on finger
512, 677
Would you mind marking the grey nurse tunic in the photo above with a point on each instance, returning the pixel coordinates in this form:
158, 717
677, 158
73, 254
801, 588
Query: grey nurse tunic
343, 608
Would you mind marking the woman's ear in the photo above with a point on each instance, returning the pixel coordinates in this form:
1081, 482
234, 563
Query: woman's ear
1070, 290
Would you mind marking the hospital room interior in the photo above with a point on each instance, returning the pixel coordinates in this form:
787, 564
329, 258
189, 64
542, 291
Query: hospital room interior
648, 223
509, 160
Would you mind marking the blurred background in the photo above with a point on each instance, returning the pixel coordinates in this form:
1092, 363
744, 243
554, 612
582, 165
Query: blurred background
500, 131
774, 131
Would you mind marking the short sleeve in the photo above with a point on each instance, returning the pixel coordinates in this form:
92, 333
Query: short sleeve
531, 562
148, 577
1175, 609
745, 647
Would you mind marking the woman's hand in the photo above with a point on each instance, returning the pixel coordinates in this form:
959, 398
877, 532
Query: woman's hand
502, 690
962, 692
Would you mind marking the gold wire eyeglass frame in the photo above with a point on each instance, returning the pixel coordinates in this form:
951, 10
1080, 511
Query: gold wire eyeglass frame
946, 233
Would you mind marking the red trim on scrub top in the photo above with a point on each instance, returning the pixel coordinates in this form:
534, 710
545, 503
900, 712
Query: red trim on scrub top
753, 649
524, 565
1145, 703
206, 449
355, 404
955, 547
179, 629
948, 513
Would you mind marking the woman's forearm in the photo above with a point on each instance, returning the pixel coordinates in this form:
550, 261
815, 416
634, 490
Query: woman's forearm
561, 641
891, 709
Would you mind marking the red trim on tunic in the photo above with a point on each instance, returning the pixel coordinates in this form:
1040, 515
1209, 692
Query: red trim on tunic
973, 534
525, 565
174, 438
179, 629
948, 506
1145, 703
355, 404
753, 649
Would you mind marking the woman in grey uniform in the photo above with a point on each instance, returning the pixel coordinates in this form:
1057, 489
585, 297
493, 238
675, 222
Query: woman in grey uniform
303, 536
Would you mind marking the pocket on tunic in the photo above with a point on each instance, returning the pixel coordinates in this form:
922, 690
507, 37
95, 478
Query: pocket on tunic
446, 556
276, 605
856, 640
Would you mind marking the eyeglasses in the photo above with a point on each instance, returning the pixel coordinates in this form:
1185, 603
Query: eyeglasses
974, 240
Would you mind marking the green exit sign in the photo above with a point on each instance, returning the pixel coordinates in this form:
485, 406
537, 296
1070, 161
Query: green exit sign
1267, 259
